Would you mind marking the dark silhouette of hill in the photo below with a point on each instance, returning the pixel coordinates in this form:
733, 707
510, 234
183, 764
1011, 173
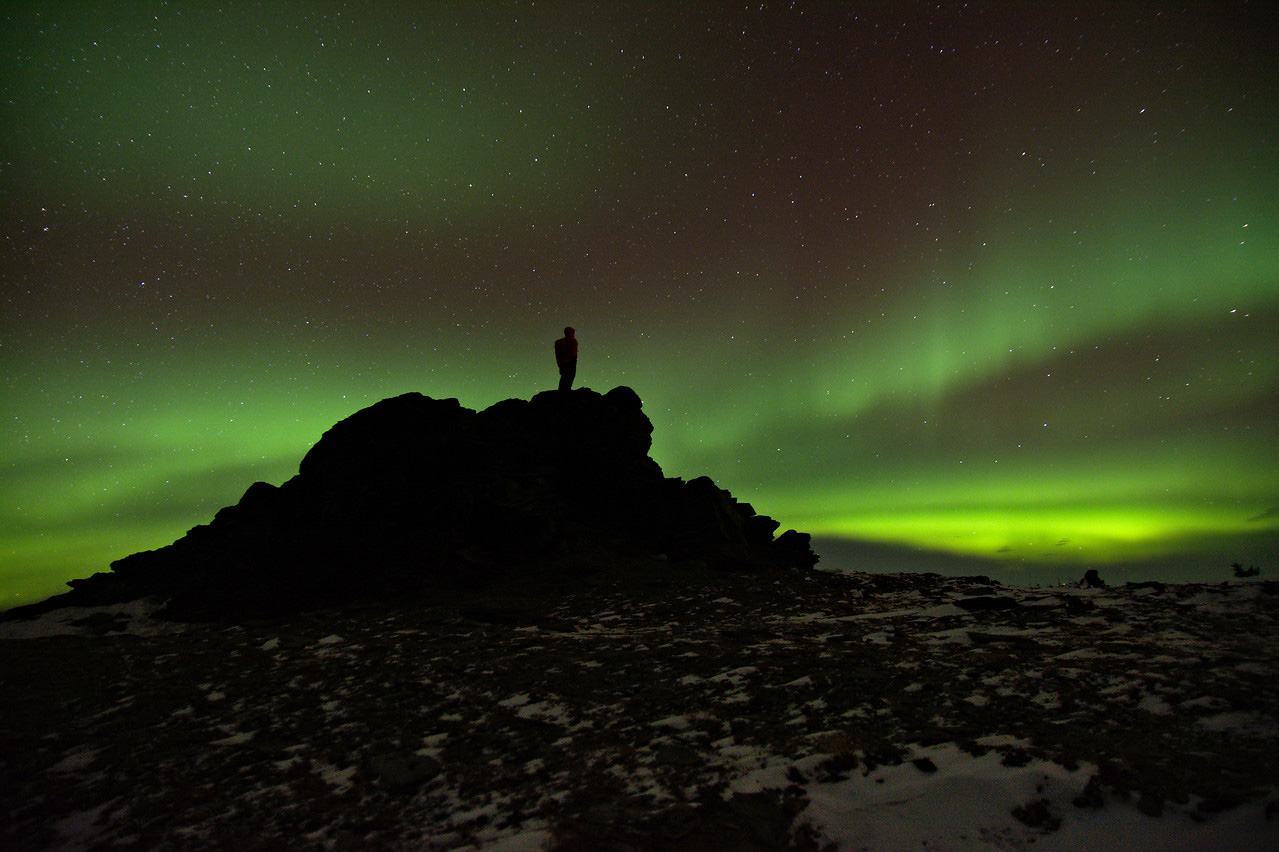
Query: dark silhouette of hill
418, 496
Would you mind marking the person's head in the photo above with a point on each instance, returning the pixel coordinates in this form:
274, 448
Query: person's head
568, 331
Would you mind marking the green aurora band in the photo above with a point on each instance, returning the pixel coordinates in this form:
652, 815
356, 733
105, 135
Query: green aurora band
1056, 345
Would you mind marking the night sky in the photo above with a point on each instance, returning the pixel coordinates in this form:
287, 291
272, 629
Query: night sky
998, 282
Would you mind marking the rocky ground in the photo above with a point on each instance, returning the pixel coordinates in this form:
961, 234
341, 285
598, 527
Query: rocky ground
687, 711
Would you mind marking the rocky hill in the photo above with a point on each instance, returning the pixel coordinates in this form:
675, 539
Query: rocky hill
419, 496
508, 630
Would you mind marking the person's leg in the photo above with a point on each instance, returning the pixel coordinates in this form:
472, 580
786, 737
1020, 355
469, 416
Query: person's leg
567, 373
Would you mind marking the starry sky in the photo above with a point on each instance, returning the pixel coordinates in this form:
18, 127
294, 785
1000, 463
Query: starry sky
942, 284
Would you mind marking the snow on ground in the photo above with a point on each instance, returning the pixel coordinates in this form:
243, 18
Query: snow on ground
960, 802
133, 617
900, 712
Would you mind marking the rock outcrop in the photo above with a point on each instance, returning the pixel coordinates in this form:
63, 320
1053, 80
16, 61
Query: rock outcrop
415, 495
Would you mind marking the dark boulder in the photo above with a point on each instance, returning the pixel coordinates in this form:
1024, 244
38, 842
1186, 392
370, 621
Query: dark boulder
1092, 580
418, 495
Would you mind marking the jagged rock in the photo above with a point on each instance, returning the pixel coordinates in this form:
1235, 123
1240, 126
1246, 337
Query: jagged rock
415, 494
1092, 580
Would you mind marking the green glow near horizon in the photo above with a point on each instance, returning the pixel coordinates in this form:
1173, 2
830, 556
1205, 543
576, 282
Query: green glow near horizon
1068, 533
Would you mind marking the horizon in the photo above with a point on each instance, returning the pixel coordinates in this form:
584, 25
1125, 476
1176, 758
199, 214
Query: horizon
991, 285
850, 555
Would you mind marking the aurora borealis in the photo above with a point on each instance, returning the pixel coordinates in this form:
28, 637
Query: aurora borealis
995, 281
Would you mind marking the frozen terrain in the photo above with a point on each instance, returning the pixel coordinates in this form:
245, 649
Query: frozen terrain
705, 712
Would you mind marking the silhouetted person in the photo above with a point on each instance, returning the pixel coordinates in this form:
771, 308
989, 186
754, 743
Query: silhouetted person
566, 358
1092, 580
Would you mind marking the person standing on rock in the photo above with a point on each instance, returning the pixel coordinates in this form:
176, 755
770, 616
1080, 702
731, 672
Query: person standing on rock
566, 358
